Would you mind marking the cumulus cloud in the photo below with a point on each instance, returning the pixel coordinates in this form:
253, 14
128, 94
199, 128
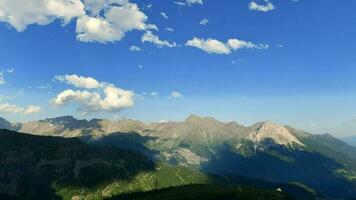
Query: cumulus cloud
95, 96
91, 29
79, 81
175, 95
14, 109
204, 22
19, 14
259, 7
209, 45
113, 25
32, 109
100, 21
150, 37
215, 46
95, 6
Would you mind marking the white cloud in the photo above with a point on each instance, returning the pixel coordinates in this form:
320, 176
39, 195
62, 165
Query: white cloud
263, 8
150, 37
179, 3
100, 21
95, 6
5, 97
91, 29
209, 45
146, 94
79, 81
45, 87
20, 14
10, 70
113, 26
236, 44
170, 29
14, 109
164, 15
101, 97
154, 94
188, 2
204, 22
2, 75
32, 109
175, 95
134, 48
2, 78
10, 108
215, 46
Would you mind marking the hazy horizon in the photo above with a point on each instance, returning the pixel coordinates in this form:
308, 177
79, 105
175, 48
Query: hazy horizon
291, 62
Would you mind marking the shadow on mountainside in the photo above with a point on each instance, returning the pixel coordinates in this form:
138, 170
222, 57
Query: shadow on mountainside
31, 166
205, 192
131, 141
282, 165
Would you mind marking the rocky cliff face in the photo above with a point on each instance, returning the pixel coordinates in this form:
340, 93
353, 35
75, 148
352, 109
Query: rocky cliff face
276, 133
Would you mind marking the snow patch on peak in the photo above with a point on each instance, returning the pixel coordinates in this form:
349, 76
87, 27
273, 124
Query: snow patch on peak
279, 134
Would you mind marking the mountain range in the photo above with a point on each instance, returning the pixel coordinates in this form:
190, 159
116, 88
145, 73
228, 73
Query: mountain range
265, 150
350, 140
46, 167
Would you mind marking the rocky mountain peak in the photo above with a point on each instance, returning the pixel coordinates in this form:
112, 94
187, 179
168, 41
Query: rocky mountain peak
197, 119
61, 120
271, 131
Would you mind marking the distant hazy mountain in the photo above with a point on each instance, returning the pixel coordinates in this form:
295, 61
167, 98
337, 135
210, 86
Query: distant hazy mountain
351, 140
43, 167
264, 150
4, 124
68, 126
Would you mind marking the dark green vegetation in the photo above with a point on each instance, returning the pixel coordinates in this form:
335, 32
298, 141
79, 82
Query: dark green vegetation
42, 167
205, 192
31, 165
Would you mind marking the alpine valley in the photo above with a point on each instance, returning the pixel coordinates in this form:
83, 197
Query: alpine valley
67, 158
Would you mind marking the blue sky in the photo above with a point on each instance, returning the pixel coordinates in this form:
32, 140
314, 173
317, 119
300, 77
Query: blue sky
295, 62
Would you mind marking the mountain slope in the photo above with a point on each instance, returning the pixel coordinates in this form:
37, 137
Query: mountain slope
206, 192
68, 126
42, 167
29, 165
264, 150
